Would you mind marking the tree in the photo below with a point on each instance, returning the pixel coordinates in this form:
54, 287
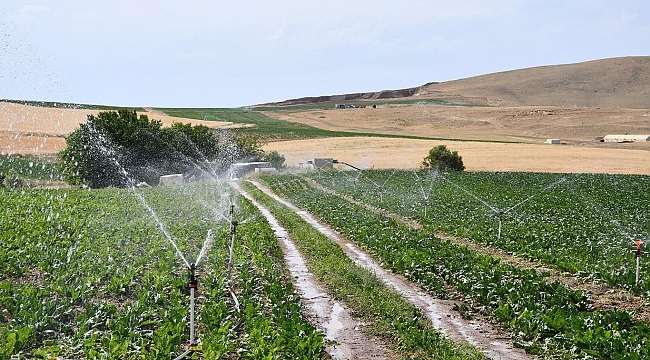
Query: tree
121, 149
442, 158
275, 158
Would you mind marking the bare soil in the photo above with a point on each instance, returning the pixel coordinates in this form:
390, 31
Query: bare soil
528, 124
40, 130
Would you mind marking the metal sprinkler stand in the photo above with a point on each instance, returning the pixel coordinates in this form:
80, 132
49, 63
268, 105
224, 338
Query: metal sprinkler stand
637, 252
233, 233
500, 223
193, 284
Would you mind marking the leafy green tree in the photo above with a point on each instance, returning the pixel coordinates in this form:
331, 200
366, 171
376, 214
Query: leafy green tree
275, 158
442, 158
121, 148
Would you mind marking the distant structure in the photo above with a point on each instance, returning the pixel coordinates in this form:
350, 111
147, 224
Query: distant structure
552, 141
174, 179
322, 163
240, 170
626, 138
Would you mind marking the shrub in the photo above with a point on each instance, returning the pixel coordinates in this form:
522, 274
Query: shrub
442, 158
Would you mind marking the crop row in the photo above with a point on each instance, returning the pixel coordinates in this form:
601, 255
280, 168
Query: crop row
544, 317
583, 224
384, 312
89, 274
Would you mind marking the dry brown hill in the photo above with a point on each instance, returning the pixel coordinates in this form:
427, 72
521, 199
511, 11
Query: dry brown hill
613, 83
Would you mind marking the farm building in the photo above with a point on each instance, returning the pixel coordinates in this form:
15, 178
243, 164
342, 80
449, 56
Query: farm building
322, 163
626, 138
240, 170
174, 179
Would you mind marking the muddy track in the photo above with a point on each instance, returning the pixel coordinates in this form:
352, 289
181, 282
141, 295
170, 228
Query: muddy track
602, 296
493, 341
344, 338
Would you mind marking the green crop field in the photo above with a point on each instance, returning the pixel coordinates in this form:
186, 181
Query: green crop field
89, 274
579, 223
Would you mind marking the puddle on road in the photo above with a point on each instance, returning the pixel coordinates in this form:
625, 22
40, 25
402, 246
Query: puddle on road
345, 340
493, 341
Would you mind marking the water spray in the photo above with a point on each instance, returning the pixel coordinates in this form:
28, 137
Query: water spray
425, 195
500, 213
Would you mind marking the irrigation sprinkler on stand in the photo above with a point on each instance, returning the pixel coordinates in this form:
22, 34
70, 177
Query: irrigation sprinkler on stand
233, 234
425, 195
500, 213
637, 252
193, 286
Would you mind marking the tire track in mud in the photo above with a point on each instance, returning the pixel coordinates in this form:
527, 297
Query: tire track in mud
344, 340
494, 342
602, 296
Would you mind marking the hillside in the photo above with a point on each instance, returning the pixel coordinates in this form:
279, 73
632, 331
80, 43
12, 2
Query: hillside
613, 83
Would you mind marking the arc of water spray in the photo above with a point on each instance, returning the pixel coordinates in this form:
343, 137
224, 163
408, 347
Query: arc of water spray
556, 183
104, 146
426, 195
206, 244
496, 211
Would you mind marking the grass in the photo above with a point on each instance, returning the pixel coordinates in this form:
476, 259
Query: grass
387, 313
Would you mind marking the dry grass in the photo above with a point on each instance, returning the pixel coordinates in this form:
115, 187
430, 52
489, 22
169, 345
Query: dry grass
477, 156
40, 130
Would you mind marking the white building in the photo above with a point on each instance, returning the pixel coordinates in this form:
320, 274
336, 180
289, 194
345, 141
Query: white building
626, 138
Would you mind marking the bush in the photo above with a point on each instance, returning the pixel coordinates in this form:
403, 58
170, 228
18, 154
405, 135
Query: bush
11, 180
275, 158
442, 159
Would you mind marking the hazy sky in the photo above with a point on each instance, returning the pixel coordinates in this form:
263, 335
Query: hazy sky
208, 53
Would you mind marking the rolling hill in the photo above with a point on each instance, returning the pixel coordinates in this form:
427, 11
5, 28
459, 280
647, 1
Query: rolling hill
609, 83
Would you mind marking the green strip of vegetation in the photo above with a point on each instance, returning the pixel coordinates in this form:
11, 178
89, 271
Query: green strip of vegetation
388, 314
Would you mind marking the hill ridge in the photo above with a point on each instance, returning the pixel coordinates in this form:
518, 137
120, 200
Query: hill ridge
621, 82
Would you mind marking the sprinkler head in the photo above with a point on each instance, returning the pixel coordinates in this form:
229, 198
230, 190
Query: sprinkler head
639, 244
193, 283
234, 227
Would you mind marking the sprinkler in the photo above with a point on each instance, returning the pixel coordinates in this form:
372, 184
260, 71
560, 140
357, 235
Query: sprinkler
193, 285
637, 252
500, 214
233, 233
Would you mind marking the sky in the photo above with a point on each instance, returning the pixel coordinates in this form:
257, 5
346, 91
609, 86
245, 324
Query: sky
212, 53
